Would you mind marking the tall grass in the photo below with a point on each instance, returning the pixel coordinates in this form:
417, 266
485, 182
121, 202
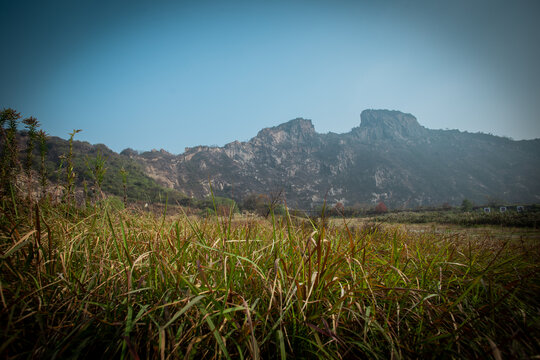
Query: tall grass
111, 283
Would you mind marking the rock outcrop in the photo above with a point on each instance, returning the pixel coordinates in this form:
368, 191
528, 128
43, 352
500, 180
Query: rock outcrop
388, 157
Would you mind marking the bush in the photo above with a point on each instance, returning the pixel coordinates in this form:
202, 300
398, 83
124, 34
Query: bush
381, 208
466, 205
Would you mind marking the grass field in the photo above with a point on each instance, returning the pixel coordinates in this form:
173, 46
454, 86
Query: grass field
114, 283
529, 218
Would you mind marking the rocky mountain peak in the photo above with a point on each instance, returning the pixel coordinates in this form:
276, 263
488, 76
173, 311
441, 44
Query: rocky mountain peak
390, 157
389, 124
297, 126
292, 130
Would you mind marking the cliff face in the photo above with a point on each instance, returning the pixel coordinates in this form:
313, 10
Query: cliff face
389, 157
380, 125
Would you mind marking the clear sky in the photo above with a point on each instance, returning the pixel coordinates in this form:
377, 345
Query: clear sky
171, 74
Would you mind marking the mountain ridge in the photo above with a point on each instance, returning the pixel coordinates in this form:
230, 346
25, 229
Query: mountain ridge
389, 157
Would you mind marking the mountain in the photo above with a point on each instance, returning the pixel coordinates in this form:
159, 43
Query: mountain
389, 157
140, 186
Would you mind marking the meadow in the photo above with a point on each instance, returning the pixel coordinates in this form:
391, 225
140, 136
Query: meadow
101, 281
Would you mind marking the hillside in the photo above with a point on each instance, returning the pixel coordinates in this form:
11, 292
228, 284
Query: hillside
388, 157
140, 186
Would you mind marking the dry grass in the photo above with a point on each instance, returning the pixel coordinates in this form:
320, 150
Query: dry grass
118, 284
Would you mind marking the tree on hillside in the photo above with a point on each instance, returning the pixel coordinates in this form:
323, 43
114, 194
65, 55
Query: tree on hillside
263, 204
97, 170
466, 205
257, 203
8, 124
381, 208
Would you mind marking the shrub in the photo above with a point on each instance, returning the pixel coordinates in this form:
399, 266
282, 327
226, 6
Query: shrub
381, 208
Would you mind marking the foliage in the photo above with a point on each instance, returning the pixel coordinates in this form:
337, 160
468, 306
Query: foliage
105, 282
67, 164
381, 208
257, 203
124, 175
107, 176
528, 218
466, 205
70, 173
97, 171
31, 124
10, 159
42, 137
265, 204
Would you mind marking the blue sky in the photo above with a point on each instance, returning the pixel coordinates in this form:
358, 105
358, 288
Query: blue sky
165, 74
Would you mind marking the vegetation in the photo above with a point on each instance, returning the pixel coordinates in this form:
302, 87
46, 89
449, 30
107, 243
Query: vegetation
97, 166
264, 204
528, 218
381, 208
80, 280
466, 215
466, 205
42, 138
70, 173
31, 125
10, 159
115, 283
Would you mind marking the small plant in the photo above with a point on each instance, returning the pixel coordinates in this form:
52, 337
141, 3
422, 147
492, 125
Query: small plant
42, 138
4, 149
31, 125
124, 174
10, 160
70, 173
97, 172
85, 193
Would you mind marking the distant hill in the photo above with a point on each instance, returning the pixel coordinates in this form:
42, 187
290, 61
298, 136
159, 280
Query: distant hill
140, 186
390, 157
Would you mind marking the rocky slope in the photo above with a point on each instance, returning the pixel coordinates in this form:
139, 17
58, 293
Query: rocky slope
389, 157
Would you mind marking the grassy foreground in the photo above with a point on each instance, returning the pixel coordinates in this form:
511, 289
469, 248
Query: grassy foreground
107, 283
